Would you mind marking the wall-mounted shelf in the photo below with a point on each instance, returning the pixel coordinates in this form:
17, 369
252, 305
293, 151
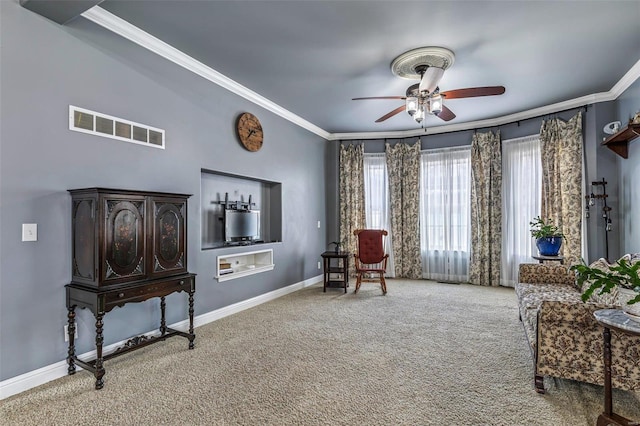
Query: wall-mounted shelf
619, 142
236, 265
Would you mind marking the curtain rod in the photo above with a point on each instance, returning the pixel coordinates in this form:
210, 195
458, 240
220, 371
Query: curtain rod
549, 115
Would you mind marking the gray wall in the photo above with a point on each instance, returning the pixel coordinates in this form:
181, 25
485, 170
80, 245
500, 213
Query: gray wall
601, 162
626, 107
46, 67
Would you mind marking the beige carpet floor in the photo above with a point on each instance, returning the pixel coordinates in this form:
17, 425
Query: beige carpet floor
424, 354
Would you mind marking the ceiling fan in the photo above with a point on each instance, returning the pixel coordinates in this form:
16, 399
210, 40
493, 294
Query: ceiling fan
428, 64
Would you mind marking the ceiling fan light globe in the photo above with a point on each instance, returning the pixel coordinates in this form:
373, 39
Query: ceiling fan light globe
419, 114
412, 105
435, 104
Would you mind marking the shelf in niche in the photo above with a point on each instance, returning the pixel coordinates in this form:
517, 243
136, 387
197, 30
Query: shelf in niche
223, 245
265, 194
244, 264
619, 142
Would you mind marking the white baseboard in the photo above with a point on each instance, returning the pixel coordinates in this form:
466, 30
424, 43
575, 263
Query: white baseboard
54, 371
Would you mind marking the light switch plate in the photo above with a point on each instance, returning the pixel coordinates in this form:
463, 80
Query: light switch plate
29, 232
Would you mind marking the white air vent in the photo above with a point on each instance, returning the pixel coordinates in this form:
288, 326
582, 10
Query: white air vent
96, 123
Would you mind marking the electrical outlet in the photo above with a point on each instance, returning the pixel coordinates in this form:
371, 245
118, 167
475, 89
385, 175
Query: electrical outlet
29, 232
319, 265
318, 224
66, 333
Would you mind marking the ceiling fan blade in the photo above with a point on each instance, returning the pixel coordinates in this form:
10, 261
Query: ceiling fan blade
392, 113
380, 97
473, 92
446, 114
430, 79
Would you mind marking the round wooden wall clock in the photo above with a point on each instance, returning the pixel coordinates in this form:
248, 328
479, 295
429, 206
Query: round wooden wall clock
250, 131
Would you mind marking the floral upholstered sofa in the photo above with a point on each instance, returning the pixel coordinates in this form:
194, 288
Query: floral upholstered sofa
565, 339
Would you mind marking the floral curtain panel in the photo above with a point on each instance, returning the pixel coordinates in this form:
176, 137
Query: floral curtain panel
351, 187
486, 209
561, 151
403, 168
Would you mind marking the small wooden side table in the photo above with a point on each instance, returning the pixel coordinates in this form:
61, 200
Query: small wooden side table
617, 320
336, 263
541, 259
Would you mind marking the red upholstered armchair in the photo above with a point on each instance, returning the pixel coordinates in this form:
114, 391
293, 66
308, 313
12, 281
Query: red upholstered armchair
370, 258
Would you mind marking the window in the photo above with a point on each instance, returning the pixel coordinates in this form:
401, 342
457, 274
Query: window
376, 201
445, 207
521, 194
445, 219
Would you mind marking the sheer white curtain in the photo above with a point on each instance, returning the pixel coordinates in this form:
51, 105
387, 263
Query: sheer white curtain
376, 201
445, 220
521, 192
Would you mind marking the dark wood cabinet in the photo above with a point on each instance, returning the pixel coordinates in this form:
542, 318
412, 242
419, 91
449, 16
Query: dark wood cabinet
127, 246
125, 236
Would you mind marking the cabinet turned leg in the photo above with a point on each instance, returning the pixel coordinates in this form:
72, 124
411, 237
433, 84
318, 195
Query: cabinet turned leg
99, 373
539, 383
163, 321
71, 332
192, 336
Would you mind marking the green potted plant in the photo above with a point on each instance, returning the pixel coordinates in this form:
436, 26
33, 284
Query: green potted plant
548, 236
623, 275
338, 245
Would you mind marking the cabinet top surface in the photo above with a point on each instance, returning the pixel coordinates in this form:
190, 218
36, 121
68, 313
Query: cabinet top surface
98, 190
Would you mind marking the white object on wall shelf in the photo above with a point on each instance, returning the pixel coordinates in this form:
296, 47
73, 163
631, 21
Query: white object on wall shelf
236, 265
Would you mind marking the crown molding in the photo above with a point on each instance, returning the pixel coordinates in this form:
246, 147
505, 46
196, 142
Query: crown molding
130, 32
618, 89
479, 124
627, 80
623, 84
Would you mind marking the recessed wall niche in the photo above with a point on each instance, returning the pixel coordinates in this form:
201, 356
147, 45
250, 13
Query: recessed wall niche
266, 197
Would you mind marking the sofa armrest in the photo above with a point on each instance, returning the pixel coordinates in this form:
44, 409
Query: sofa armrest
569, 345
573, 314
538, 273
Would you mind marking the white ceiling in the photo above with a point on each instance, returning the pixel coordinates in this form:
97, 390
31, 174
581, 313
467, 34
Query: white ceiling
311, 57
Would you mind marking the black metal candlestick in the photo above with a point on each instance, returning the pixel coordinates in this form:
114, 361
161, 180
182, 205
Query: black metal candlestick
606, 210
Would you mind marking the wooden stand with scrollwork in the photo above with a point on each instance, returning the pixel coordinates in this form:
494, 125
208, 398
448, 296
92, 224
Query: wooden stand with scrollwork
128, 246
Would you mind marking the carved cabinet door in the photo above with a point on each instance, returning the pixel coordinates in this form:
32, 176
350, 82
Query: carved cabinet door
124, 240
168, 236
